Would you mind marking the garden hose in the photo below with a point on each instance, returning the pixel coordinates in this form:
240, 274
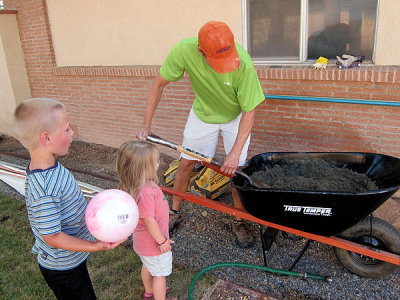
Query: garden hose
243, 265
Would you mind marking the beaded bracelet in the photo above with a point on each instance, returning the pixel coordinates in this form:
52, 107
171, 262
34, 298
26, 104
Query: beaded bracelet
159, 245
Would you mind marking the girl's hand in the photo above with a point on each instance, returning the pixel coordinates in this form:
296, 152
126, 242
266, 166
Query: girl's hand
166, 246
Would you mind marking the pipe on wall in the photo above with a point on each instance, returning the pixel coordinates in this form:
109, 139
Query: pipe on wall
334, 100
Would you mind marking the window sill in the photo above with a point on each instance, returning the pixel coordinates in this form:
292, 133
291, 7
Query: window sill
364, 73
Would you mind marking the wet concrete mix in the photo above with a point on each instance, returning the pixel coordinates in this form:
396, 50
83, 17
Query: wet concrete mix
315, 175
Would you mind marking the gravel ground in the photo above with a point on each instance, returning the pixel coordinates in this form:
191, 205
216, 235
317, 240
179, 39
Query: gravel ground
205, 238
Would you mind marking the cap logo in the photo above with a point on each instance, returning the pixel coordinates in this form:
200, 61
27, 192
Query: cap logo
223, 49
216, 40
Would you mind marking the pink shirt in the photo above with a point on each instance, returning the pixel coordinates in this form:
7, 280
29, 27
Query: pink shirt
152, 203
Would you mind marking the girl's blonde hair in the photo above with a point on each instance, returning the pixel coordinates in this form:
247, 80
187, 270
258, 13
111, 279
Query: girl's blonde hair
34, 116
136, 165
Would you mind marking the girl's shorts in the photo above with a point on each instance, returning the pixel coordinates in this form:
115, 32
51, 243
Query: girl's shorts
203, 137
160, 265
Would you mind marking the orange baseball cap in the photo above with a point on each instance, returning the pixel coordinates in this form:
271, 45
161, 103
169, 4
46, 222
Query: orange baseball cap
217, 42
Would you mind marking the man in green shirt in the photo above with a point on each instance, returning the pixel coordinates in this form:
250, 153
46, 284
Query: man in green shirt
227, 92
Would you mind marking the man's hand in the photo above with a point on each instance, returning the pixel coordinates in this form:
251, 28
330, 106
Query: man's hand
230, 163
142, 134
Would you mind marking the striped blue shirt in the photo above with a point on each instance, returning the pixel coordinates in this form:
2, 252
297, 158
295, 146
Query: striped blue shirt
55, 203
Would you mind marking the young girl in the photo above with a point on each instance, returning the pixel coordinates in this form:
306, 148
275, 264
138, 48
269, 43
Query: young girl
137, 164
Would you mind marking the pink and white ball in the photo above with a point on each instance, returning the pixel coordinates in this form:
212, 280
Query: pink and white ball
112, 215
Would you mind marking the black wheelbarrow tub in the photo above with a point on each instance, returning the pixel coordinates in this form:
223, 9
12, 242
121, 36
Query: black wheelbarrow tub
319, 212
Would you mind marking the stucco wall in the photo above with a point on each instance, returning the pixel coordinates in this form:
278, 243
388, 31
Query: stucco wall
388, 35
14, 85
120, 32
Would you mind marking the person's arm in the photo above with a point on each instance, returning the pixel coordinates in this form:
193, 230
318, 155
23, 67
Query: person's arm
67, 242
153, 228
153, 99
231, 161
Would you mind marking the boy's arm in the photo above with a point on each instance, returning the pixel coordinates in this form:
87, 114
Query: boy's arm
154, 229
67, 242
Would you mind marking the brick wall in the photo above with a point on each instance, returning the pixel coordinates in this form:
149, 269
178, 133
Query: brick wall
320, 126
106, 104
10, 4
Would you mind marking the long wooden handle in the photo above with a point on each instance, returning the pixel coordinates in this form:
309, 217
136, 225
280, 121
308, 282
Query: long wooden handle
205, 158
195, 154
158, 140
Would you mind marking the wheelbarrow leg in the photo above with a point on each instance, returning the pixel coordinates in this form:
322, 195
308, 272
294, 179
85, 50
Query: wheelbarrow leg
300, 255
267, 239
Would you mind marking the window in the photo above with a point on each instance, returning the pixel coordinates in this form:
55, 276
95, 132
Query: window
301, 30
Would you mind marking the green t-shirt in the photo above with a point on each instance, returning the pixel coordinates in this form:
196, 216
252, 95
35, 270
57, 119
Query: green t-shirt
219, 97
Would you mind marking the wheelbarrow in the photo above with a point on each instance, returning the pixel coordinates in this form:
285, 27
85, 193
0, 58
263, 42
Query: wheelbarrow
330, 213
366, 246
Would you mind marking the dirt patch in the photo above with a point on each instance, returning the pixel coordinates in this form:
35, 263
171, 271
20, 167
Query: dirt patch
82, 157
222, 290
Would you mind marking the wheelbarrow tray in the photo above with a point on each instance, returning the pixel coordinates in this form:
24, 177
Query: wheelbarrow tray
323, 213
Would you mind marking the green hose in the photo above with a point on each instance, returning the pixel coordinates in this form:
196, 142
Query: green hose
272, 270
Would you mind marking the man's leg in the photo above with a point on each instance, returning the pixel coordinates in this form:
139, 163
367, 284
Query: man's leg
243, 236
202, 140
236, 202
229, 133
181, 184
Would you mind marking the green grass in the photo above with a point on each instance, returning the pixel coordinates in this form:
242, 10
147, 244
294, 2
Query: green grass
115, 274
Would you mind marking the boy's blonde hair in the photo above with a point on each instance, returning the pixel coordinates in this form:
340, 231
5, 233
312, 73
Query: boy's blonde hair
136, 165
34, 116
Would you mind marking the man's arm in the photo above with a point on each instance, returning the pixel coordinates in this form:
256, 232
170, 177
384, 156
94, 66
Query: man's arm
232, 159
153, 99
67, 242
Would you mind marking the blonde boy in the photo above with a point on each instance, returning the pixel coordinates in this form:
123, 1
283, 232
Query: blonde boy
55, 204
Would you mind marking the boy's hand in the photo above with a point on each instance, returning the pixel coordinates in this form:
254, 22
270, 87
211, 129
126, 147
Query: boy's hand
108, 246
67, 242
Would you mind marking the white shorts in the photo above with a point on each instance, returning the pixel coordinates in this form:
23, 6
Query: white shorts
203, 137
160, 265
